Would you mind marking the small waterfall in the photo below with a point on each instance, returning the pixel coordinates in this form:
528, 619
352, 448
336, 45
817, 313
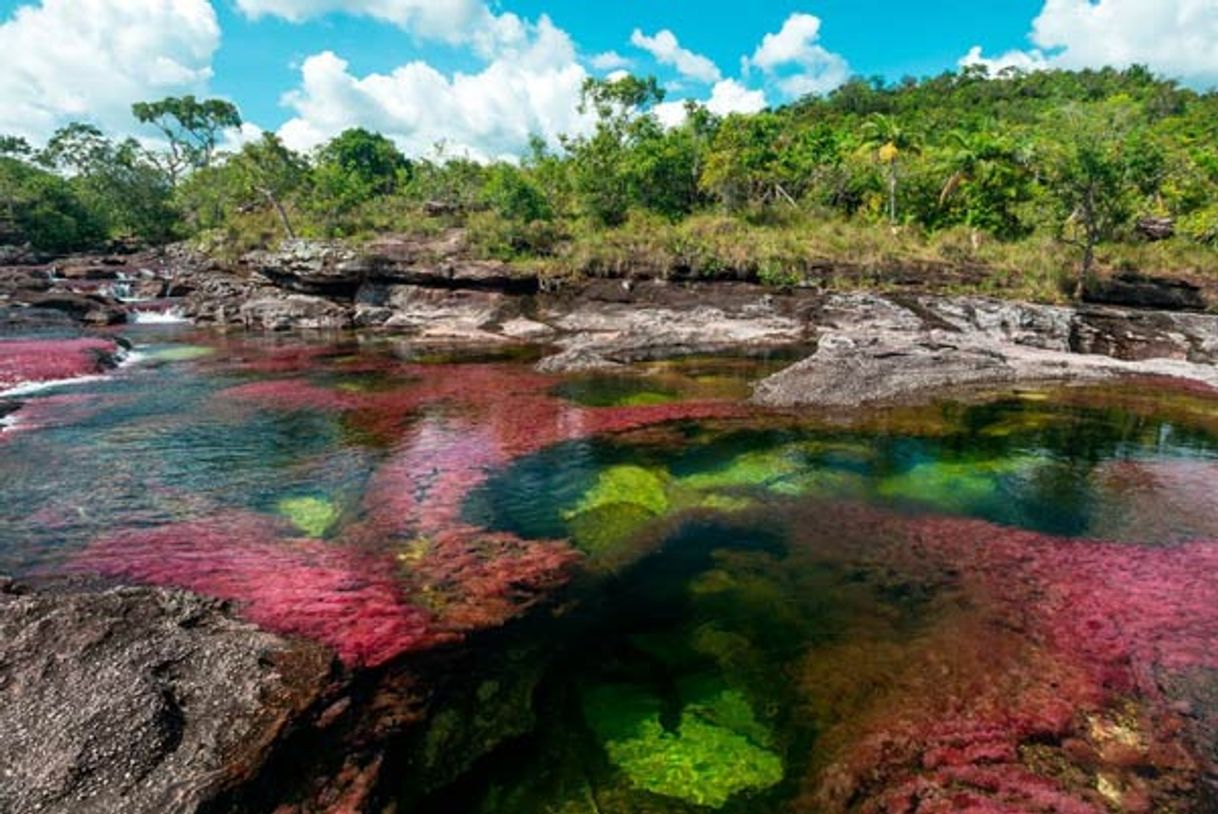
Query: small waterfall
172, 316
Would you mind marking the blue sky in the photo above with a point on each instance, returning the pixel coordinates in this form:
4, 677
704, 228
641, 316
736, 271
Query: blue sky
481, 76
255, 62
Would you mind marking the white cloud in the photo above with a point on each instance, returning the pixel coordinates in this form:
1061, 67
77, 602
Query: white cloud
796, 61
609, 61
1024, 61
1178, 38
62, 60
530, 88
729, 96
450, 20
666, 49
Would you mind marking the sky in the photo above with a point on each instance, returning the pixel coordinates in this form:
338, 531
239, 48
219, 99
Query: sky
482, 76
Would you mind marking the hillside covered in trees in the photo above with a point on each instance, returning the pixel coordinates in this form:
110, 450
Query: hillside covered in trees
1036, 178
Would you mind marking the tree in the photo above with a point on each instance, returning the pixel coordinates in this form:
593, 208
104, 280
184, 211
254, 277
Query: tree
513, 196
370, 160
1090, 176
192, 128
43, 209
119, 182
598, 161
742, 162
893, 142
988, 174
268, 170
353, 169
15, 146
78, 148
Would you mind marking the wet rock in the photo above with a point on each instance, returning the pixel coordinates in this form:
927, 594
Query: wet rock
873, 350
1138, 291
90, 309
87, 270
526, 330
1130, 335
329, 268
20, 320
599, 335
282, 313
440, 311
139, 700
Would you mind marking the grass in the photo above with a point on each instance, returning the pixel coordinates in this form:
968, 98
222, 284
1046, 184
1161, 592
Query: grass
779, 247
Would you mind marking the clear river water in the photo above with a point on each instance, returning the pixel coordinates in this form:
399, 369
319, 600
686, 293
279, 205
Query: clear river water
1003, 606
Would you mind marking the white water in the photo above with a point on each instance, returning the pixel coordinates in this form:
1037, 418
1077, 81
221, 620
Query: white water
30, 388
171, 317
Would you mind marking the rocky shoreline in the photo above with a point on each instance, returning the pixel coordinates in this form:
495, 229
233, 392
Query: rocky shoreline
129, 676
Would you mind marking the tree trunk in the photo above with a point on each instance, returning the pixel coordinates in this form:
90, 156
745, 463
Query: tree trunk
892, 194
282, 213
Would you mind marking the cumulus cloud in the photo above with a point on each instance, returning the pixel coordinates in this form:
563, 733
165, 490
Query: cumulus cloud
667, 50
529, 88
727, 96
1174, 37
796, 62
450, 20
609, 61
1025, 61
62, 60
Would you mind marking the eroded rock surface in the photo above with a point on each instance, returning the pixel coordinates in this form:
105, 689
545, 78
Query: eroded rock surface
873, 349
139, 700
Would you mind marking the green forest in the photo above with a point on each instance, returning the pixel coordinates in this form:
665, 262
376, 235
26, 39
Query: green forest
1041, 179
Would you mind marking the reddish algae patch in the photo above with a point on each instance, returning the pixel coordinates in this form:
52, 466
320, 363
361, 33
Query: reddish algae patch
1036, 688
44, 360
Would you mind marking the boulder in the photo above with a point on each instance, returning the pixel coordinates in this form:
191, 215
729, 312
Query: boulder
1132, 290
139, 700
285, 312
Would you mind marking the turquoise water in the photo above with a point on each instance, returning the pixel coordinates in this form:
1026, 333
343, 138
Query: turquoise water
667, 600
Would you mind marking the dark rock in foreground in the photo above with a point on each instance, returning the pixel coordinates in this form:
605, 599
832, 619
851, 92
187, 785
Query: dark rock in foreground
139, 700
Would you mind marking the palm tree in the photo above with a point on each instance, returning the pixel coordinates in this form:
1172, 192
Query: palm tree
992, 169
892, 142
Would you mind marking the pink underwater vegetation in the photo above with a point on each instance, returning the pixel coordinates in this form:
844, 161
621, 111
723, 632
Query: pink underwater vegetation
43, 360
1038, 687
408, 573
330, 594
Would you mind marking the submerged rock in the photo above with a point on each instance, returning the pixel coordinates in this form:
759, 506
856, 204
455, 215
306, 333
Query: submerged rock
139, 700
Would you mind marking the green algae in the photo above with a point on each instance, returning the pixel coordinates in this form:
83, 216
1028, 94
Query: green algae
312, 515
627, 484
709, 757
601, 530
760, 468
616, 391
957, 486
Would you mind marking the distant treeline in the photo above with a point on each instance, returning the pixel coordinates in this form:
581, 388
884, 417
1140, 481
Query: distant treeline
1084, 159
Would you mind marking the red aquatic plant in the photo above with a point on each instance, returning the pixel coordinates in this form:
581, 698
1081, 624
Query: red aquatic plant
1035, 686
42, 360
339, 596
